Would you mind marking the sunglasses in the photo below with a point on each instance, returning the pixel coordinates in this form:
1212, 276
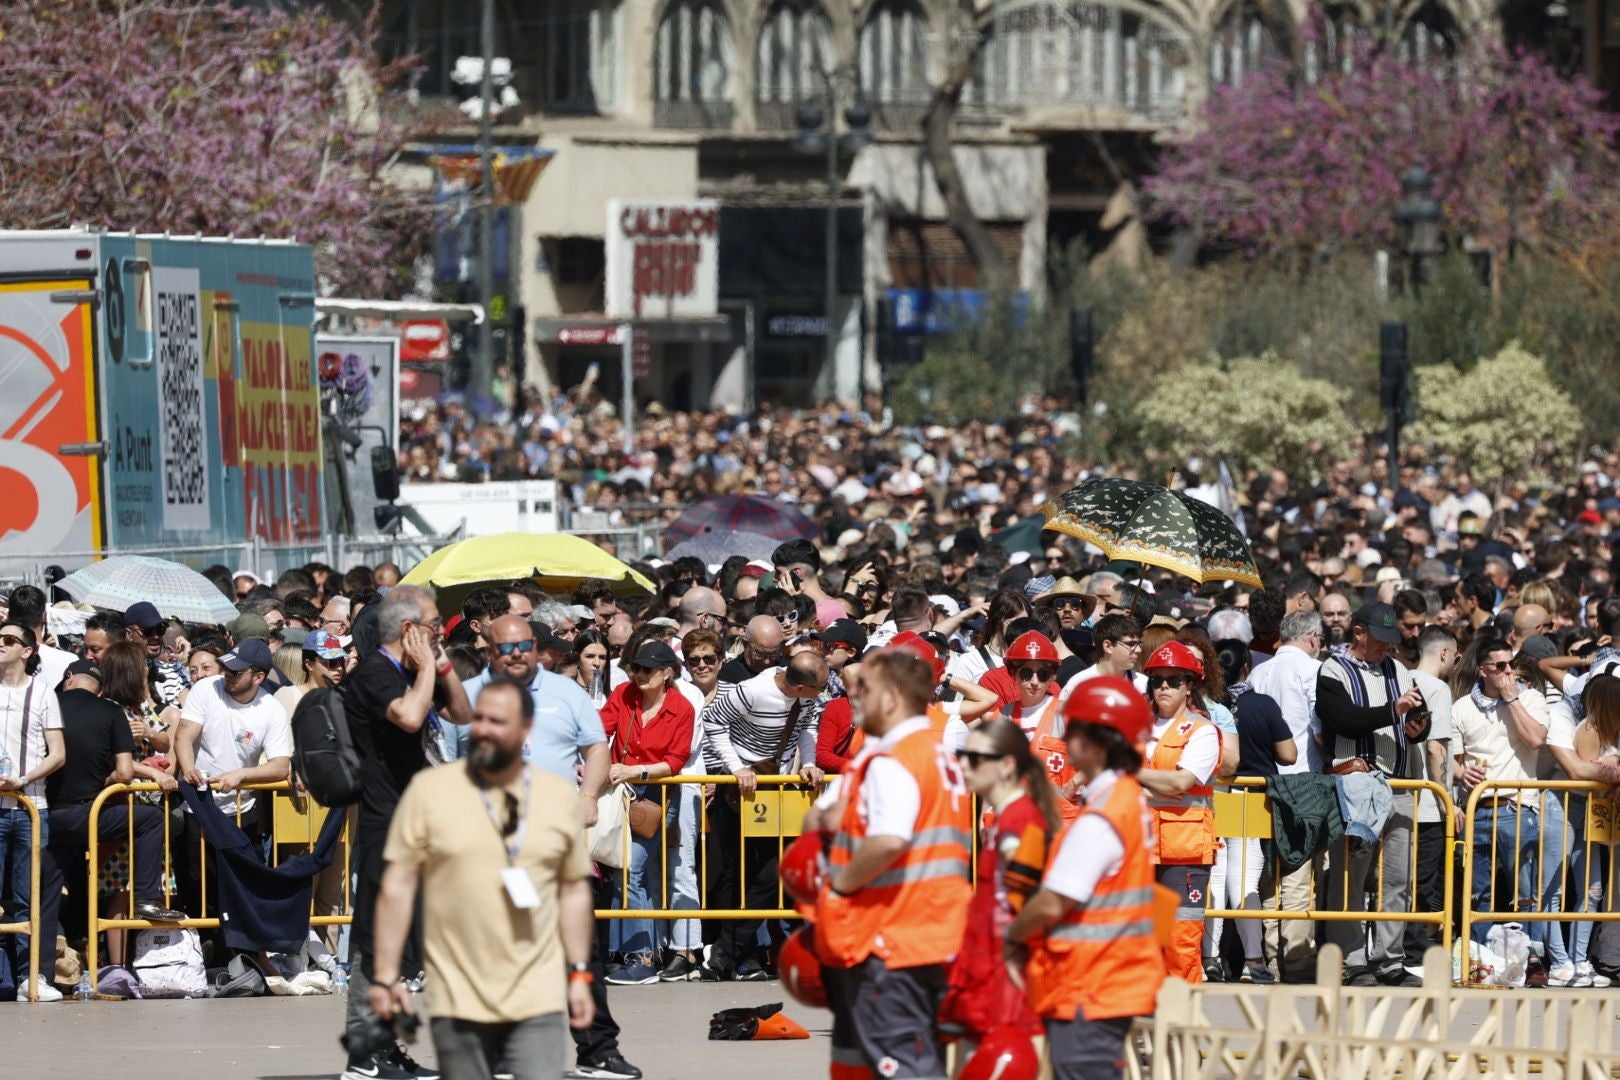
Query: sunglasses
509, 827
1174, 682
1035, 674
507, 648
639, 669
1063, 603
12, 641
975, 758
706, 659
1499, 665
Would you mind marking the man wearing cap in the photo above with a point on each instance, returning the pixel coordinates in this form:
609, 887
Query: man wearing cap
1362, 700
100, 752
228, 723
1071, 603
144, 624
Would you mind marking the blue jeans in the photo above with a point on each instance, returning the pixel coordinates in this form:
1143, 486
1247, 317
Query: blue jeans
1515, 833
1554, 849
1585, 877
16, 842
645, 886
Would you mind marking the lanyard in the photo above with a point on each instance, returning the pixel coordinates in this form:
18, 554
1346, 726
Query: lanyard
514, 844
432, 722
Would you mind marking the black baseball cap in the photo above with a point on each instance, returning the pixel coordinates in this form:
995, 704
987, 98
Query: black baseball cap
843, 632
85, 667
1379, 621
144, 616
249, 653
654, 654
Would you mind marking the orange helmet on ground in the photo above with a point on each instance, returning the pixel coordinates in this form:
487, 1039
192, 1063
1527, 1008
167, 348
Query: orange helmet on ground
1177, 657
1031, 648
800, 971
803, 867
1111, 701
1005, 1053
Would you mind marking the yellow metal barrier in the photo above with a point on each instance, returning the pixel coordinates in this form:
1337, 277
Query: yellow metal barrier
295, 819
31, 927
775, 812
1244, 813
1600, 828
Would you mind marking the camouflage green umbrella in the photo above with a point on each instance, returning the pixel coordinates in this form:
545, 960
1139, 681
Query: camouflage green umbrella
1147, 523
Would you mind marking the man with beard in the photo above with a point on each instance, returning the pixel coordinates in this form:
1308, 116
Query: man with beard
1335, 612
1411, 615
495, 847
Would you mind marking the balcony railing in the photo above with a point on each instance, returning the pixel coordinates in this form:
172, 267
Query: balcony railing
700, 115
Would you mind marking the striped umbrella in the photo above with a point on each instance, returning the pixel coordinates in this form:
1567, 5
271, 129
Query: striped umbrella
177, 591
742, 513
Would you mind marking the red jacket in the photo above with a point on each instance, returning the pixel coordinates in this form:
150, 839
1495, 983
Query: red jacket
834, 737
666, 736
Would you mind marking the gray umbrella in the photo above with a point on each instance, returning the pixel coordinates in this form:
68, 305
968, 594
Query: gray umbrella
714, 548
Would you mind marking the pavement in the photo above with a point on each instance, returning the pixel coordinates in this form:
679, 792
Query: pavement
665, 1033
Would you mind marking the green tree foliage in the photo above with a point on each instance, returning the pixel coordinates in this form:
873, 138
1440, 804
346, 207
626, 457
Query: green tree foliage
1503, 417
1258, 411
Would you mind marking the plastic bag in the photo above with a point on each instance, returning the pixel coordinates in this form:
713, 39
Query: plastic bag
1512, 944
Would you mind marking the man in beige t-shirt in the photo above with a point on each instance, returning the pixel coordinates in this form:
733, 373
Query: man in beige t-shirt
506, 901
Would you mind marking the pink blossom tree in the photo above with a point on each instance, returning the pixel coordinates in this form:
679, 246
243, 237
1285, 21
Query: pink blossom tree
1521, 156
164, 115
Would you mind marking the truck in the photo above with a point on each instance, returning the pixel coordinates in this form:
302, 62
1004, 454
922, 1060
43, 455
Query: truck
160, 393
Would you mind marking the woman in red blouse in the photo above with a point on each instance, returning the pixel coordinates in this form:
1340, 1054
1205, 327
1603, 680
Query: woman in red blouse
649, 724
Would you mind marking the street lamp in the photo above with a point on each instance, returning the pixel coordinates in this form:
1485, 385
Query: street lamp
818, 135
1418, 218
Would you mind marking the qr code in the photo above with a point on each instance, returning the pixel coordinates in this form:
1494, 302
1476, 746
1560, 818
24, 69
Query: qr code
185, 470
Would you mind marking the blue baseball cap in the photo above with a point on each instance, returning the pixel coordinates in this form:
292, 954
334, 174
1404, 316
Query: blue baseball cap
324, 644
249, 653
143, 615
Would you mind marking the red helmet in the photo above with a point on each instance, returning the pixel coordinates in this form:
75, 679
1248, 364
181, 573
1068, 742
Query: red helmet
1005, 1053
914, 642
1178, 657
803, 867
1111, 700
1031, 647
800, 971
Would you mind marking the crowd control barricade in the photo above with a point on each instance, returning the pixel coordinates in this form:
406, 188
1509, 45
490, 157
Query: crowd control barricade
294, 822
1534, 842
775, 815
1243, 814
31, 925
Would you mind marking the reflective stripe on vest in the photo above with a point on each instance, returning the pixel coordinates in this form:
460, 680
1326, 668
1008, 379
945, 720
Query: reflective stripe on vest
1124, 898
924, 871
1102, 931
1185, 823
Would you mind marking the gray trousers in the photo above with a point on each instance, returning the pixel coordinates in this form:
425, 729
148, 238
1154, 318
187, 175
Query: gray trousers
1083, 1049
533, 1049
1394, 853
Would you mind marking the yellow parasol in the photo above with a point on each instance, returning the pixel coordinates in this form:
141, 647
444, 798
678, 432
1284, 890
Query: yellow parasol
557, 562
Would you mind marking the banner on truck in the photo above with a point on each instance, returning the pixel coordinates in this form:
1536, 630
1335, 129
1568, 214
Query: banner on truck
48, 501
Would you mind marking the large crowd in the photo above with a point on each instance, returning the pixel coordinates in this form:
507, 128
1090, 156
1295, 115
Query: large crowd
1420, 630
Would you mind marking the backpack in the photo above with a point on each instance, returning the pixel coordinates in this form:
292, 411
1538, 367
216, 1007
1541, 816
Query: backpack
241, 978
324, 754
169, 963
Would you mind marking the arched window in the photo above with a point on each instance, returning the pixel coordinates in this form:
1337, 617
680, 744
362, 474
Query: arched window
795, 49
894, 63
1087, 55
1241, 43
692, 72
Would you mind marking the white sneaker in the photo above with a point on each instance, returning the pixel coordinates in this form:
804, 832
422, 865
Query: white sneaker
44, 991
1562, 975
1586, 975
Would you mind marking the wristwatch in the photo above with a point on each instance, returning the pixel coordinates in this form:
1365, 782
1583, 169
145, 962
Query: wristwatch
643, 776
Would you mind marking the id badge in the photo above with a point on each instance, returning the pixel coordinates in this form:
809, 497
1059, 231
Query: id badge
520, 888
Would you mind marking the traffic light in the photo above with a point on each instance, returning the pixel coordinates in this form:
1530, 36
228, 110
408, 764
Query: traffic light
1082, 357
1394, 366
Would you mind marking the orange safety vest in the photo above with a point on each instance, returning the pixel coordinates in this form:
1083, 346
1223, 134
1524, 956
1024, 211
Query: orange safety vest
1053, 753
1185, 822
916, 910
1103, 956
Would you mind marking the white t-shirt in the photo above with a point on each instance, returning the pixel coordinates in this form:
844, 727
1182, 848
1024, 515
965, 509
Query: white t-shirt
235, 736
1437, 696
1091, 849
53, 665
1201, 754
971, 666
1561, 724
689, 690
16, 755
1029, 719
1138, 680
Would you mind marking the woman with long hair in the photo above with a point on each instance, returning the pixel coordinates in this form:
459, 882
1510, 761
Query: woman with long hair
991, 641
590, 661
124, 682
1596, 758
1020, 816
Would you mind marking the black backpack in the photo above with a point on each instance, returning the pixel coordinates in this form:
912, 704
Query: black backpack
324, 754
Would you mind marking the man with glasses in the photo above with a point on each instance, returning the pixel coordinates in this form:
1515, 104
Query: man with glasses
1289, 679
335, 616
755, 728
701, 609
1335, 611
145, 626
398, 701
762, 651
1119, 645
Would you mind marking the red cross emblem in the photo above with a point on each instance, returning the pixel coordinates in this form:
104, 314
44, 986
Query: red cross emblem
1055, 762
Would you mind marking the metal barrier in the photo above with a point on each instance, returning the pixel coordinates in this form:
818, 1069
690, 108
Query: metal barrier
776, 812
294, 819
1591, 804
31, 927
1327, 1031
1244, 814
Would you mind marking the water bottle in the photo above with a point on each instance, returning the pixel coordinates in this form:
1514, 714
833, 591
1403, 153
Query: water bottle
84, 992
340, 980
